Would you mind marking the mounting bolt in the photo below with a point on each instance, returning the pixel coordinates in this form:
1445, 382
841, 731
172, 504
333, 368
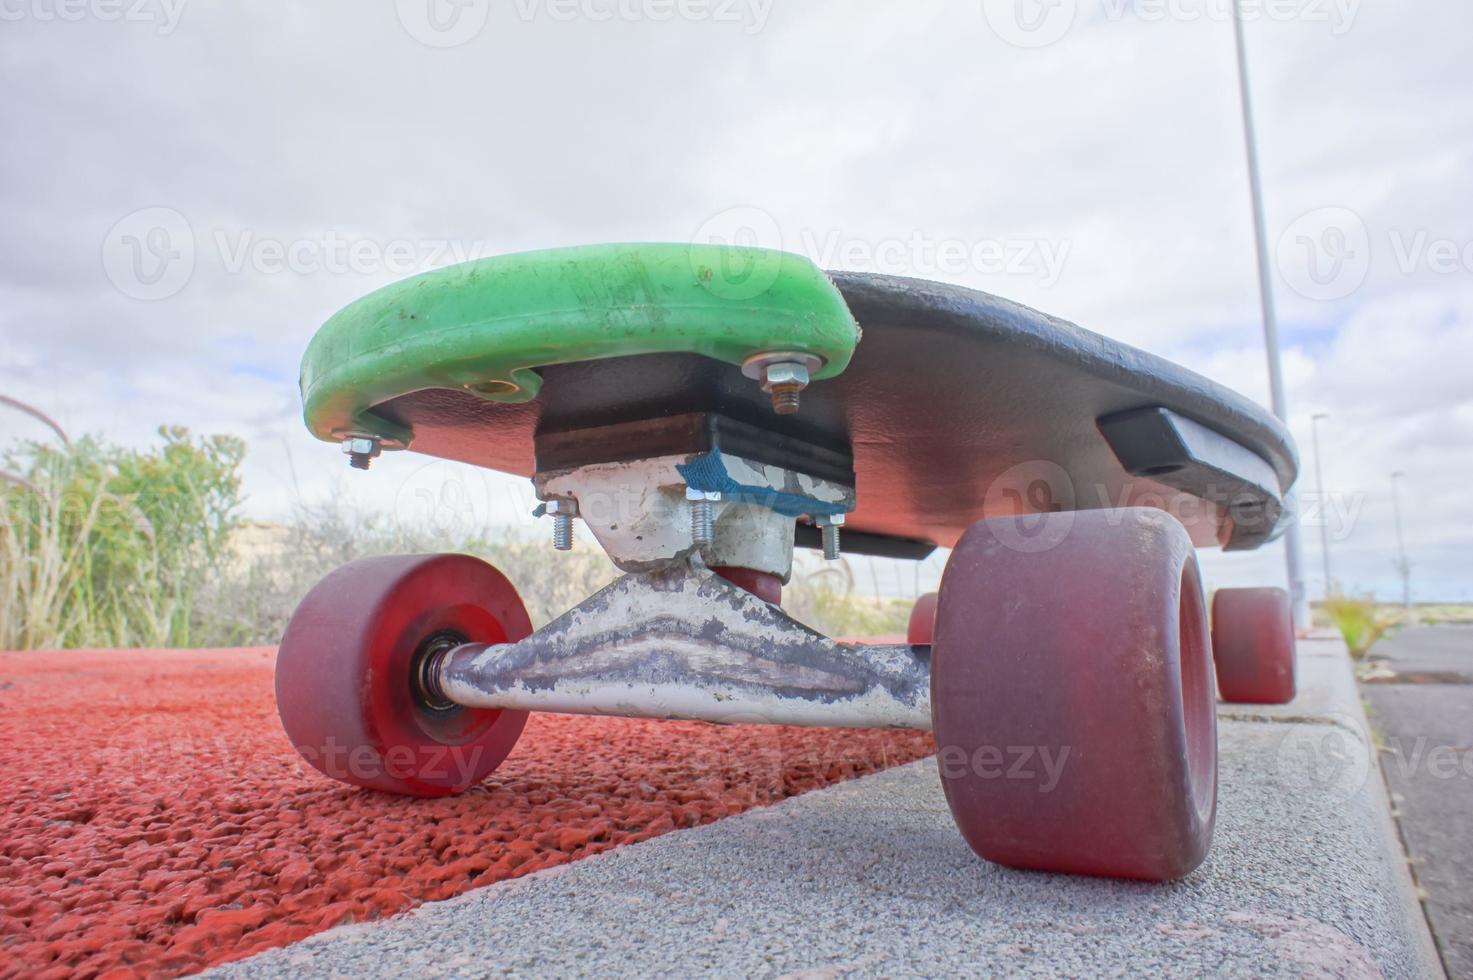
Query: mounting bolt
702, 520
783, 376
361, 450
829, 526
563, 510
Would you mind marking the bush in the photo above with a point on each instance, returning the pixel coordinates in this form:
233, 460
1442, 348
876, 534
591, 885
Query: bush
105, 546
826, 601
1357, 619
252, 599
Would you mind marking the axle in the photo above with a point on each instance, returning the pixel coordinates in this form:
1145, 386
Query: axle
683, 643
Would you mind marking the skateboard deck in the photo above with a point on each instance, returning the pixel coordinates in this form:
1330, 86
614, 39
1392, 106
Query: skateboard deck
946, 404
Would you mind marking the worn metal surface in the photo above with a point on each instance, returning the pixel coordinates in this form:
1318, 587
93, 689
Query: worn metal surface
641, 513
682, 643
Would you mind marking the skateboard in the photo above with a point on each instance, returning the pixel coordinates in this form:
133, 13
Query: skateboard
702, 411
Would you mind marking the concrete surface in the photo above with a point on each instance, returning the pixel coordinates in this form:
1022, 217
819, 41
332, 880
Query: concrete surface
1422, 705
869, 878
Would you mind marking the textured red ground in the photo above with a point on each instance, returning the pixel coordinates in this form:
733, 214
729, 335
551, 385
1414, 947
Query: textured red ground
154, 819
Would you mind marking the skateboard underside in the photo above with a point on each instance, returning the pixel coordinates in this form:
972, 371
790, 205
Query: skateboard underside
701, 410
956, 405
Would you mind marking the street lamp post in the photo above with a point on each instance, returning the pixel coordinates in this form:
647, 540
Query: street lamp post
1319, 489
1402, 565
1293, 546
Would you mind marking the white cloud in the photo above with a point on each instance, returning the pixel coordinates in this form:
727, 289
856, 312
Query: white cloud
1119, 145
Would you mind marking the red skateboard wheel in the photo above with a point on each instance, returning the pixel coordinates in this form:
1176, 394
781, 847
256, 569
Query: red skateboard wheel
1072, 694
922, 625
346, 684
1253, 645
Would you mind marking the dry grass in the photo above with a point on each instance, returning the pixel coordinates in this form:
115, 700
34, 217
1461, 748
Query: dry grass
102, 546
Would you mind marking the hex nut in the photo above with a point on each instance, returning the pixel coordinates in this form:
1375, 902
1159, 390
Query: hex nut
785, 373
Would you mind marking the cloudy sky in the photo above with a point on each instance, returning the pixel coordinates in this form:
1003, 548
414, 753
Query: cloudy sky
188, 189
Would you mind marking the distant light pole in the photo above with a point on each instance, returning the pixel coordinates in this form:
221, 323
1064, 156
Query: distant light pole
1402, 564
1319, 489
1293, 546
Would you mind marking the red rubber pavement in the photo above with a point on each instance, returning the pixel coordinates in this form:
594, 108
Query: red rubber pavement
154, 820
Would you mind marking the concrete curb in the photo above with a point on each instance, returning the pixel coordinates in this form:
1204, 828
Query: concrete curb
1307, 878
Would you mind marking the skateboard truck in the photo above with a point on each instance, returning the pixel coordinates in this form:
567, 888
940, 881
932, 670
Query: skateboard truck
656, 491
736, 512
681, 642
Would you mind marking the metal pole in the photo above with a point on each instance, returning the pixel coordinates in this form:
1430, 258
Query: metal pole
1401, 550
1319, 489
1293, 546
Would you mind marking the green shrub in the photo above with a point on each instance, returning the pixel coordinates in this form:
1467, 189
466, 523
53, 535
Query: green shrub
103, 546
1357, 619
106, 546
826, 600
